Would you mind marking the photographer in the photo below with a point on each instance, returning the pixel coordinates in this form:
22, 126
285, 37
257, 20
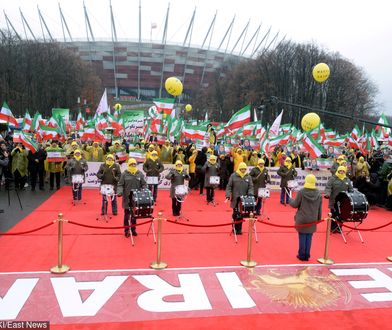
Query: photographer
19, 166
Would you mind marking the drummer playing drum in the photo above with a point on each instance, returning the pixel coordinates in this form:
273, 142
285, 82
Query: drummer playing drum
109, 173
260, 178
76, 168
177, 178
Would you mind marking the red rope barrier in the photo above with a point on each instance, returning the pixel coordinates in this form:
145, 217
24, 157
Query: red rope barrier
206, 226
28, 231
365, 229
117, 227
290, 226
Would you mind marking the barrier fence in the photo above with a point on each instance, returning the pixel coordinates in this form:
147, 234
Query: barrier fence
159, 264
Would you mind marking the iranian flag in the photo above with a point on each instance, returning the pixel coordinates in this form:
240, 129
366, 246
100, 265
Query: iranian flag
37, 120
195, 132
356, 133
7, 116
315, 150
164, 106
248, 129
103, 105
385, 131
79, 121
28, 142
48, 133
239, 119
87, 133
334, 142
27, 122
274, 129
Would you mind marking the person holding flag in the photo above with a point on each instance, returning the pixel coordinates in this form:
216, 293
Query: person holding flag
118, 151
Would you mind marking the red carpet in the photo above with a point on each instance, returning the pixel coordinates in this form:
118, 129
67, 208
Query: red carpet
185, 247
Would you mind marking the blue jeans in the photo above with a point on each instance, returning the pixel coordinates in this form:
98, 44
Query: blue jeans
305, 243
284, 194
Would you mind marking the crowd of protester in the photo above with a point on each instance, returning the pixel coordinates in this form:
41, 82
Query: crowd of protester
22, 169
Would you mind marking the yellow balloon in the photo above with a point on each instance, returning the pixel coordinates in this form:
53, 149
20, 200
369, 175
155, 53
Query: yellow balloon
321, 72
188, 107
310, 121
173, 86
117, 106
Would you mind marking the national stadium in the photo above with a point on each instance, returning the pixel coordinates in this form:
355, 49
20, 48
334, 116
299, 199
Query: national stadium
136, 69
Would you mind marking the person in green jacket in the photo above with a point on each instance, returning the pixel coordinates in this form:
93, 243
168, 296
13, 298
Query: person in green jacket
19, 166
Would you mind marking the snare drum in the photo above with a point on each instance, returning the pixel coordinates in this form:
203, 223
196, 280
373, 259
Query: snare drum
263, 193
246, 205
214, 180
292, 184
142, 203
180, 192
77, 178
351, 206
152, 179
107, 190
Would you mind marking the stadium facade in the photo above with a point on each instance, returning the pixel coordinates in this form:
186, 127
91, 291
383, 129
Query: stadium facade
138, 69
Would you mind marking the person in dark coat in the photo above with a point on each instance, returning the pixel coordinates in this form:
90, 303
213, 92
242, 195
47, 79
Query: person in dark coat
309, 204
337, 183
225, 170
211, 169
201, 159
240, 184
36, 167
287, 173
109, 173
177, 177
260, 178
77, 166
130, 180
153, 167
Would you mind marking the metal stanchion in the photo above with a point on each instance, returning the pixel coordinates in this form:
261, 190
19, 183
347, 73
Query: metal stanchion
60, 268
389, 258
249, 262
326, 260
159, 264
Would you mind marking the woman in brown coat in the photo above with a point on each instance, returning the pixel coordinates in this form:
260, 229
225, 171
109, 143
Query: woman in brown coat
309, 203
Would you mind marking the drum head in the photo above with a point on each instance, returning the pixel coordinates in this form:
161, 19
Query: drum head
351, 206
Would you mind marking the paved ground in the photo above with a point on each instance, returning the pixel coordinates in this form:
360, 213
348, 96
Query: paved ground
9, 203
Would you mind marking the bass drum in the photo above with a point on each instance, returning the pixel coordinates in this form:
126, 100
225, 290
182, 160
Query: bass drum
142, 203
351, 206
246, 205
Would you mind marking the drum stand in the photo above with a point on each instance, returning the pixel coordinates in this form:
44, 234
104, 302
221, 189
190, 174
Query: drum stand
356, 224
180, 217
151, 228
235, 232
104, 216
288, 192
74, 201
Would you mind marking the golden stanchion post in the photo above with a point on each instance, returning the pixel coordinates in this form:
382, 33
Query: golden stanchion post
326, 260
389, 258
60, 268
159, 264
249, 263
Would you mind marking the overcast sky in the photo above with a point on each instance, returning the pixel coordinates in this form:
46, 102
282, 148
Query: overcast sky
359, 30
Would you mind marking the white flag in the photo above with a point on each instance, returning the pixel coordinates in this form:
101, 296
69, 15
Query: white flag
254, 114
103, 105
274, 129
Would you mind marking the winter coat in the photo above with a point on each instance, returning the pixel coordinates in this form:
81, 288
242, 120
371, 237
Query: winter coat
259, 178
129, 182
176, 179
109, 175
19, 161
76, 167
153, 167
286, 175
210, 170
238, 187
309, 204
334, 187
40, 156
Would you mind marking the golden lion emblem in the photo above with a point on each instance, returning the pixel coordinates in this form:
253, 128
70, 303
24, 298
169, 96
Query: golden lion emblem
301, 289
